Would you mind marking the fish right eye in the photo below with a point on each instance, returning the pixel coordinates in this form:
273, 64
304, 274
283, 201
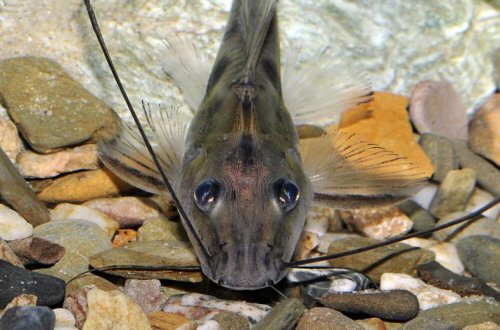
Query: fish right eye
205, 194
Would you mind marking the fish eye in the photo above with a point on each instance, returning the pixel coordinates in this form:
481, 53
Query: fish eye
205, 194
286, 193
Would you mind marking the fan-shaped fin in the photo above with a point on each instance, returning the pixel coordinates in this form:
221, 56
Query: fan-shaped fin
347, 172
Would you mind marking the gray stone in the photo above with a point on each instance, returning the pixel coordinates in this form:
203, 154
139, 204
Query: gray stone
440, 150
42, 99
158, 229
321, 318
28, 317
480, 226
481, 257
231, 321
421, 218
71, 265
8, 255
454, 192
146, 293
284, 315
429, 322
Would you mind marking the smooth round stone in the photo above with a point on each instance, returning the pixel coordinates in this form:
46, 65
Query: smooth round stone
12, 225
396, 305
321, 318
24, 318
481, 256
15, 281
64, 318
231, 321
440, 150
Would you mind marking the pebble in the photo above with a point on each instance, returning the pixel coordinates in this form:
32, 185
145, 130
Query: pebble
454, 192
435, 274
231, 321
151, 253
307, 242
373, 324
481, 257
321, 318
65, 320
106, 309
76, 303
12, 225
160, 228
18, 194
21, 300
37, 250
396, 305
453, 234
146, 293
89, 279
28, 317
10, 142
457, 315
166, 321
440, 150
67, 211
487, 174
318, 219
34, 165
447, 255
387, 124
484, 133
129, 211
8, 255
71, 264
425, 195
395, 258
83, 186
284, 315
124, 236
43, 99
329, 238
420, 217
480, 198
428, 295
15, 281
437, 108
379, 223
483, 326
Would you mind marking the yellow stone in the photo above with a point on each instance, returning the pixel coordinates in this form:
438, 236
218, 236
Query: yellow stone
166, 321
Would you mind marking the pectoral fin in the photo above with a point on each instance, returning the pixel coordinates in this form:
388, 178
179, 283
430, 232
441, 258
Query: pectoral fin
347, 172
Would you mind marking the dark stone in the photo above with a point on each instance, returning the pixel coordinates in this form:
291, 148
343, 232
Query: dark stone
440, 150
37, 250
481, 257
397, 305
28, 318
15, 281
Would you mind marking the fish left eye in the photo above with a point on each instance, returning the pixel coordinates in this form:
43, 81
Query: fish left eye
205, 194
286, 193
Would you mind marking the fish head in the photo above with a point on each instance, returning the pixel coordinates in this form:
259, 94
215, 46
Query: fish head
247, 199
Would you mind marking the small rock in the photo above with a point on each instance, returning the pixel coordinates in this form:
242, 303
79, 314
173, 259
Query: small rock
481, 257
454, 192
231, 321
372, 324
447, 255
12, 225
483, 326
166, 321
437, 108
420, 217
435, 274
15, 281
10, 142
307, 242
42, 99
379, 223
425, 195
318, 219
106, 309
152, 253
8, 255
22, 300
428, 322
76, 303
37, 250
123, 237
284, 315
398, 257
84, 186
487, 174
64, 319
66, 211
480, 198
89, 280
146, 293
71, 264
128, 211
396, 305
440, 150
321, 318
480, 226
484, 133
23, 318
329, 238
428, 296
158, 229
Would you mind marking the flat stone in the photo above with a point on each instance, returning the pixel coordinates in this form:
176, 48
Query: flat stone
453, 234
8, 255
106, 309
16, 281
487, 174
83, 186
396, 305
37, 250
160, 228
129, 211
436, 107
151, 254
398, 257
71, 264
231, 321
440, 150
166, 321
10, 142
484, 132
321, 318
428, 322
454, 192
481, 257
89, 280
34, 165
42, 99
146, 293
285, 315
329, 238
12, 225
23, 318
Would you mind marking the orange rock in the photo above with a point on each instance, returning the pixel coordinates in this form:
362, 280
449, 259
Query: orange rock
166, 321
83, 186
124, 236
485, 130
385, 121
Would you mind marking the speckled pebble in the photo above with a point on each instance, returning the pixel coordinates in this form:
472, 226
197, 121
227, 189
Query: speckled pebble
321, 318
146, 293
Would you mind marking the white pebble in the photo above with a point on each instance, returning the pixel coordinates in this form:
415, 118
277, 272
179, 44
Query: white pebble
447, 255
64, 319
12, 225
425, 195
